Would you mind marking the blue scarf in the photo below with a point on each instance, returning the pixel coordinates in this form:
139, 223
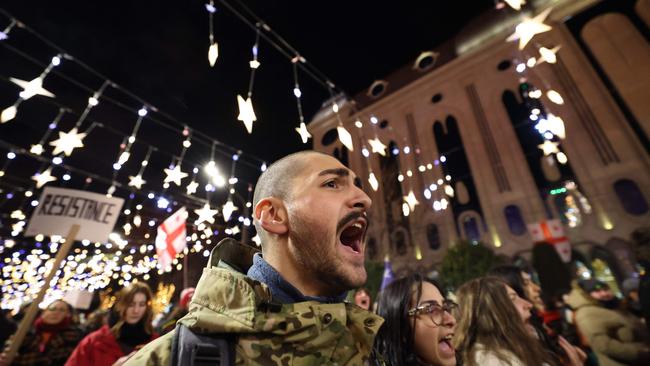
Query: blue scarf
281, 290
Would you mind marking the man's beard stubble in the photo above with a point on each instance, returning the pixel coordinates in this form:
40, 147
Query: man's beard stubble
319, 258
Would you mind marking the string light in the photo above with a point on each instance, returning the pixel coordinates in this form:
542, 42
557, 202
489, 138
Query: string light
213, 51
548, 55
555, 97
30, 89
302, 129
529, 27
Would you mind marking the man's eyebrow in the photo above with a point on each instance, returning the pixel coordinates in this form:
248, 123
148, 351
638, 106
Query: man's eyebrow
341, 172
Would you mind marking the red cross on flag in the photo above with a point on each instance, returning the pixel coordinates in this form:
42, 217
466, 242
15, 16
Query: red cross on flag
552, 232
171, 238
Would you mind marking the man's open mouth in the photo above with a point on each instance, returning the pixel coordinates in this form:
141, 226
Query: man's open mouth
353, 233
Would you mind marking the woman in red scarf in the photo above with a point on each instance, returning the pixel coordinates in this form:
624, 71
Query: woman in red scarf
53, 338
129, 328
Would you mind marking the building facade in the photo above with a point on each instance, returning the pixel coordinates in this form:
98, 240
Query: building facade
460, 135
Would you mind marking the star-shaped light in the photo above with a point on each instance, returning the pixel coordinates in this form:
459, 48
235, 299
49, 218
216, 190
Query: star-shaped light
8, 114
302, 131
373, 181
411, 201
31, 88
36, 149
515, 4
526, 30
345, 137
377, 146
43, 178
549, 147
213, 53
548, 55
246, 113
205, 214
191, 188
175, 175
136, 181
227, 210
67, 142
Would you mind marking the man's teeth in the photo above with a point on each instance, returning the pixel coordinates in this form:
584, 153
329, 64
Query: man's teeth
358, 225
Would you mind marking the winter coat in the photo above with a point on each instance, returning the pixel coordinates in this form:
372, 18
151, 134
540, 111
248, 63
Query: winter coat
99, 348
616, 338
304, 333
56, 351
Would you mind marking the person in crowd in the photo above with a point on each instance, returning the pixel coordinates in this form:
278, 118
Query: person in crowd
96, 320
616, 338
641, 240
419, 324
362, 298
178, 311
630, 288
492, 327
286, 304
51, 340
129, 328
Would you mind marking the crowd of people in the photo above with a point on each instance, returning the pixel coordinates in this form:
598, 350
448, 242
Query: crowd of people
284, 304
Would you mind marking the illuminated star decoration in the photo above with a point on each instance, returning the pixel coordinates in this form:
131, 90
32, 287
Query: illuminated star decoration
377, 146
36, 149
526, 30
43, 178
345, 137
552, 124
67, 142
515, 4
246, 113
411, 201
549, 147
191, 188
205, 214
175, 175
31, 88
227, 210
547, 55
302, 131
136, 181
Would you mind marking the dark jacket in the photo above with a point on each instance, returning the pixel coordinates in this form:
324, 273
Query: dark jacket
55, 352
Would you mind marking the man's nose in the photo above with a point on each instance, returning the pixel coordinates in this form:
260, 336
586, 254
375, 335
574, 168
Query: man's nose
361, 199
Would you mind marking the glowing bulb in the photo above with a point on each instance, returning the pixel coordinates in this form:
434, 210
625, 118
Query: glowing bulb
142, 112
531, 62
93, 101
520, 68
213, 53
374, 120
297, 92
555, 97
358, 124
56, 60
561, 158
365, 152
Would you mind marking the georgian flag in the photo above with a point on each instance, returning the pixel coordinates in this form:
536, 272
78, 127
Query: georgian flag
171, 238
552, 232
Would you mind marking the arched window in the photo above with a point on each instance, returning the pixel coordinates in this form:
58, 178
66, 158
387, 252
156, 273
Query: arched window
433, 236
471, 229
514, 219
631, 197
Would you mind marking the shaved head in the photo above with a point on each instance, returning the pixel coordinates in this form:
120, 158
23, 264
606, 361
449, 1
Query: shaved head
277, 180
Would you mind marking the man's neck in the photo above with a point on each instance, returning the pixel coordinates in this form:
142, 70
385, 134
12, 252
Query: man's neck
286, 287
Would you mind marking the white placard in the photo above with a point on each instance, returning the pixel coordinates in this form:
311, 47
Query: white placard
59, 208
79, 299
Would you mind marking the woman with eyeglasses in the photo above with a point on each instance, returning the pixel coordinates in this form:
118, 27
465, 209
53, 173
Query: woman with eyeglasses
418, 327
128, 329
492, 327
51, 340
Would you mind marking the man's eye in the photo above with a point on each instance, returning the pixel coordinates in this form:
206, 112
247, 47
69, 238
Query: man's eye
331, 184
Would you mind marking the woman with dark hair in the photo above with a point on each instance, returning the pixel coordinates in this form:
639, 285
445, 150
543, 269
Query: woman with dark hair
52, 339
492, 328
418, 324
129, 328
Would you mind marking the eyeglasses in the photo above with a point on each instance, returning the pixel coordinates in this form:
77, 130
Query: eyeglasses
435, 311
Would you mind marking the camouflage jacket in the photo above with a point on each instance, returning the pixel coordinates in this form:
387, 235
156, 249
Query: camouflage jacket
305, 333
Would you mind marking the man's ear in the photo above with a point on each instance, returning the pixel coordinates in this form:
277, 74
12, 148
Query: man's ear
272, 216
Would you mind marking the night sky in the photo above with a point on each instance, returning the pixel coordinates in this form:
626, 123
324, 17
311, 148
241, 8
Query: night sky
158, 51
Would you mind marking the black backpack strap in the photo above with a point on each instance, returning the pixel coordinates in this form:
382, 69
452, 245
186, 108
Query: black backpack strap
189, 348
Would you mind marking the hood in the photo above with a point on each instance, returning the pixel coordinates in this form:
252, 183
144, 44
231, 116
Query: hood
227, 301
577, 298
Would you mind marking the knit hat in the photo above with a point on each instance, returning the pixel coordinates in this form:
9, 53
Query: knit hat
186, 297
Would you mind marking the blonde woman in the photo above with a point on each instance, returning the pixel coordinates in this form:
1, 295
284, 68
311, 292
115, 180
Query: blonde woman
129, 328
492, 328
